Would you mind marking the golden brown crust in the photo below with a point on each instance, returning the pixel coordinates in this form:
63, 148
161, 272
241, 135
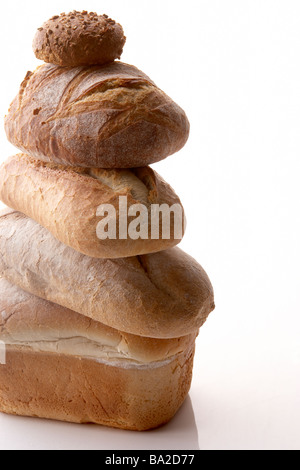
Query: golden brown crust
76, 390
79, 38
161, 295
110, 116
36, 323
65, 201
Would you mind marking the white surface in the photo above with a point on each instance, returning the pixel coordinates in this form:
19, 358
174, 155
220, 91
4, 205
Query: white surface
234, 67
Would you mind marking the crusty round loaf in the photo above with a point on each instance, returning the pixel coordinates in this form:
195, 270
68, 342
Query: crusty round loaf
79, 38
160, 295
110, 116
65, 200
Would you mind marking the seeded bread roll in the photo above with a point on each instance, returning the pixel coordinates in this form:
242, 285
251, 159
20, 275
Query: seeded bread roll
110, 116
79, 38
64, 366
161, 295
66, 201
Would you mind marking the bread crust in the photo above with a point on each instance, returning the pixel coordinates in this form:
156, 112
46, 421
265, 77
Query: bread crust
35, 324
78, 390
65, 201
79, 38
110, 116
161, 295
140, 391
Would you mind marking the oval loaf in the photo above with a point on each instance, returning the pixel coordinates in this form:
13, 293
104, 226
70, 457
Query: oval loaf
161, 295
110, 116
65, 200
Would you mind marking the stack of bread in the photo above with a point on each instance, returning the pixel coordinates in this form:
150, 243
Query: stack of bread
96, 330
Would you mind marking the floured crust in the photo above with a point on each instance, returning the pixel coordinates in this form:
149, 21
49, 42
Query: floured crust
65, 200
29, 322
79, 38
77, 390
161, 295
110, 116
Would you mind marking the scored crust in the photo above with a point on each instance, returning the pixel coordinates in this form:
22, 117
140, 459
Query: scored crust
110, 116
79, 38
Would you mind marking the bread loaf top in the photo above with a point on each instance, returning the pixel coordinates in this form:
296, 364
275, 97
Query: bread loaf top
110, 116
161, 295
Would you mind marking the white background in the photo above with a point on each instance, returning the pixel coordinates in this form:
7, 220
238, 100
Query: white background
234, 66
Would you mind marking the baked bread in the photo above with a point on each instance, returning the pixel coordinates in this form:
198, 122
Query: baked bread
110, 116
79, 38
62, 365
65, 200
161, 295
